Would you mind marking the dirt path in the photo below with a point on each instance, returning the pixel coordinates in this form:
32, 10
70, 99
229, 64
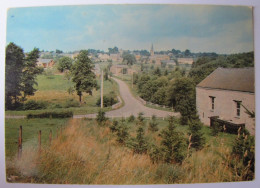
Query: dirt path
132, 106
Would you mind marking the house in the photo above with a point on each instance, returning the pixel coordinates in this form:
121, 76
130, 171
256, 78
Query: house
103, 57
225, 96
185, 61
45, 63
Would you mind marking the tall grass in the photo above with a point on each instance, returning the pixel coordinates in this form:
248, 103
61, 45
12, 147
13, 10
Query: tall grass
89, 154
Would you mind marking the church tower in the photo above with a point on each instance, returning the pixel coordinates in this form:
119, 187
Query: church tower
151, 51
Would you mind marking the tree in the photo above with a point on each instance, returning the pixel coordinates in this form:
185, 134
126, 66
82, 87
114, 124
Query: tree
13, 71
113, 50
197, 140
181, 95
83, 77
153, 124
64, 63
30, 72
129, 58
173, 143
140, 145
59, 51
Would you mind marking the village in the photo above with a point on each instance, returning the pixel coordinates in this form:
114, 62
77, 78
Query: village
130, 95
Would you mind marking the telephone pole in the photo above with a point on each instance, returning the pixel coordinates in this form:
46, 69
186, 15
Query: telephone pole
101, 95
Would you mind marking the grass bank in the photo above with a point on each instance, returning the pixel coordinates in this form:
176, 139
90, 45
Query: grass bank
89, 154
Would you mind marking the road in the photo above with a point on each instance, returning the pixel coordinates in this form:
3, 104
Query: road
132, 106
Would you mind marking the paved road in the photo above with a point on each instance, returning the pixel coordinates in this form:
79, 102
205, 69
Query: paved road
132, 106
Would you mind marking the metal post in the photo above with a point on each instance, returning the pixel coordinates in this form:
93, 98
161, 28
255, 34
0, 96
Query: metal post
20, 140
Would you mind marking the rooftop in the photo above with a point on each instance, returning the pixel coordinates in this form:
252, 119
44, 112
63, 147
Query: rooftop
235, 79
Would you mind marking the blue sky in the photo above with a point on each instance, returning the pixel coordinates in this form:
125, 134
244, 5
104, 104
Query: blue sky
200, 28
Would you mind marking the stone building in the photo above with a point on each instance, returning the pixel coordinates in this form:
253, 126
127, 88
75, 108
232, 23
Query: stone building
225, 96
45, 63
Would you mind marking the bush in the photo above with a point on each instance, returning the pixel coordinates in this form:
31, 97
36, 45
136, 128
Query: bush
131, 118
51, 115
34, 105
108, 100
174, 145
215, 128
169, 173
122, 132
155, 153
101, 118
197, 140
153, 124
243, 152
114, 126
71, 103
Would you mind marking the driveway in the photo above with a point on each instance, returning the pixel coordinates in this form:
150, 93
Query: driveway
132, 106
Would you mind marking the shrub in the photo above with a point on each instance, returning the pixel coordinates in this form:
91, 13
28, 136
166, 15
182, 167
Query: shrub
51, 115
131, 118
114, 126
108, 100
71, 103
153, 124
169, 173
244, 154
34, 105
122, 132
101, 118
140, 142
155, 153
197, 140
140, 118
174, 146
215, 128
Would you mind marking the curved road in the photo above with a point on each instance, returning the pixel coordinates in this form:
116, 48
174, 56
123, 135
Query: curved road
132, 106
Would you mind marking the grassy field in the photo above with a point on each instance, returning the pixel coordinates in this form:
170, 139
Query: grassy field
53, 91
86, 153
31, 128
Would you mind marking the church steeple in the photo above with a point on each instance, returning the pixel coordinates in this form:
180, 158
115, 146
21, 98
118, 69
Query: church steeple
151, 51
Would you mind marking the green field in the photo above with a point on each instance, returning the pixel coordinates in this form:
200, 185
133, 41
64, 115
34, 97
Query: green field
53, 91
30, 128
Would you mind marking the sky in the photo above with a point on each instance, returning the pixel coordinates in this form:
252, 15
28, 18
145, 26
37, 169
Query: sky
199, 28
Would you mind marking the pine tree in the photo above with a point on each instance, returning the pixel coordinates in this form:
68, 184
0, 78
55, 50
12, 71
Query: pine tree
122, 132
197, 140
174, 146
83, 77
140, 145
153, 124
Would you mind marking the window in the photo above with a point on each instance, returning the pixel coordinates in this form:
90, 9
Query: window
238, 105
212, 100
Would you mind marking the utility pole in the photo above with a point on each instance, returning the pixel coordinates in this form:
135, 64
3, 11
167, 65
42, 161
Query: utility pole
132, 79
101, 95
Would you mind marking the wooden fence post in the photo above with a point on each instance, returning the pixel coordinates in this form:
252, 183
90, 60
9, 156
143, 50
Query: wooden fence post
40, 140
50, 136
57, 132
20, 140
